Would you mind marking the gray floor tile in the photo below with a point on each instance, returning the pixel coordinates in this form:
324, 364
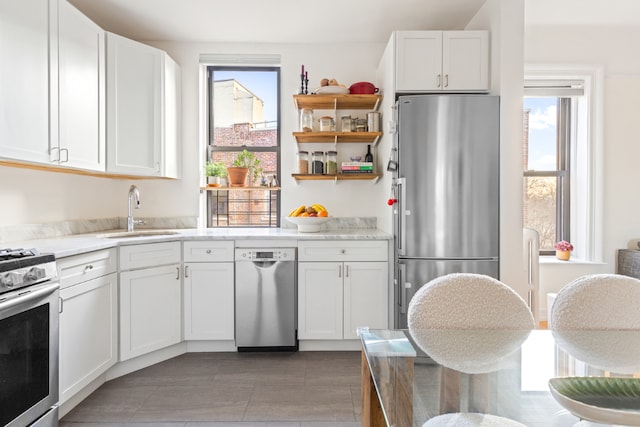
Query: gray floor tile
229, 389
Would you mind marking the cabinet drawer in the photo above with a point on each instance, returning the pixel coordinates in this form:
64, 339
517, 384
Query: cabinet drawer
207, 251
80, 268
343, 250
149, 255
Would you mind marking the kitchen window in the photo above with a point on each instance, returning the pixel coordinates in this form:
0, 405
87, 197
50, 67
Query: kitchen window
243, 114
547, 147
562, 185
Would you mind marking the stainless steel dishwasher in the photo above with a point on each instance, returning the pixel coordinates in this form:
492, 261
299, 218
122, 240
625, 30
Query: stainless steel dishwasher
266, 299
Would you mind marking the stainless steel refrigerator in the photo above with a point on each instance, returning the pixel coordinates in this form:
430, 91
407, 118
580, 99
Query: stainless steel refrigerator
446, 219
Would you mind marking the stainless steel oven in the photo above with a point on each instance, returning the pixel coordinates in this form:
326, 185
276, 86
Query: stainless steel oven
29, 306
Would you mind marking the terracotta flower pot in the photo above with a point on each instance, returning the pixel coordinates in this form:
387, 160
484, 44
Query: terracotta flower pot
237, 176
563, 255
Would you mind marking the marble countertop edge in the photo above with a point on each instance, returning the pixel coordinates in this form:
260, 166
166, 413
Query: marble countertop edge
75, 244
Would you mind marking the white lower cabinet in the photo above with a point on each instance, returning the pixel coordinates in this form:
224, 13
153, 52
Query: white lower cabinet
150, 298
208, 290
337, 297
88, 319
208, 301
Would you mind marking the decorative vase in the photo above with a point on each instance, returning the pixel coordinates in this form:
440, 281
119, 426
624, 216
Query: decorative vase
237, 176
213, 181
563, 255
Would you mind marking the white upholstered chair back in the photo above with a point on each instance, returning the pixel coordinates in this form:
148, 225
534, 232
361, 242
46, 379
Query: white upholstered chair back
597, 302
468, 301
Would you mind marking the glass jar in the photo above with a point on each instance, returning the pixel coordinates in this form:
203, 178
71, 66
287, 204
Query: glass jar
345, 124
327, 124
306, 120
303, 162
317, 163
331, 164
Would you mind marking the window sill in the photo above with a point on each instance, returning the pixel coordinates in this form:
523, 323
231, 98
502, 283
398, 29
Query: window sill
551, 259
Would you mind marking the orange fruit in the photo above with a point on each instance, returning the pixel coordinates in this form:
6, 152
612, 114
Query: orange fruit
304, 214
323, 213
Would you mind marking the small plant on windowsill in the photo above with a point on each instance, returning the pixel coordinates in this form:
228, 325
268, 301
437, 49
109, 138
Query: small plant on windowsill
214, 172
247, 160
563, 250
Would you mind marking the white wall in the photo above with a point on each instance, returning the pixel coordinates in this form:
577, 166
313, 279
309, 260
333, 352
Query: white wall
611, 48
505, 20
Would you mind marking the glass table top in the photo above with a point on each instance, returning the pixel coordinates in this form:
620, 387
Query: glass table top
419, 375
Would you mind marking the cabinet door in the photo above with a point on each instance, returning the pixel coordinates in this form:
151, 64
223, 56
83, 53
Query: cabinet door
366, 296
134, 99
171, 156
24, 80
418, 61
88, 332
320, 300
208, 301
465, 60
81, 86
150, 310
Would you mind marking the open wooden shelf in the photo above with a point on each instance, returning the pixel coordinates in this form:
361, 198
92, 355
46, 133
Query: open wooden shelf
338, 137
212, 188
338, 177
337, 102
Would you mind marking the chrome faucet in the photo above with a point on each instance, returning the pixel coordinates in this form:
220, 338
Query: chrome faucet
134, 197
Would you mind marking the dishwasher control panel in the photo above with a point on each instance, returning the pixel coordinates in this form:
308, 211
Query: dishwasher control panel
266, 254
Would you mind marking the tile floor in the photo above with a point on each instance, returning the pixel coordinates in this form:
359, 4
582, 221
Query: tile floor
301, 389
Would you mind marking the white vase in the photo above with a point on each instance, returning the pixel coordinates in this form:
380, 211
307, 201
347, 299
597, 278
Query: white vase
213, 181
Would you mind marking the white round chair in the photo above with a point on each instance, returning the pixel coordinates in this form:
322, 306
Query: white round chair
597, 302
470, 419
444, 318
468, 301
595, 318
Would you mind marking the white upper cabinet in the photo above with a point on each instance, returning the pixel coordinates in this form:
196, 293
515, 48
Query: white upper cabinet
80, 140
24, 80
142, 97
437, 61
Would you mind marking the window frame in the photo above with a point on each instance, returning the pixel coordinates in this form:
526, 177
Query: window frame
587, 183
210, 148
562, 172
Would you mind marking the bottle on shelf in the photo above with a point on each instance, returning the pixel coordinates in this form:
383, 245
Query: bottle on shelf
368, 157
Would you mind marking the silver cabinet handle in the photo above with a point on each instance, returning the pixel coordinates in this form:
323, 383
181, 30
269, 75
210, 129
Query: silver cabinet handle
346, 270
178, 273
208, 251
186, 271
446, 80
88, 267
340, 270
438, 82
66, 157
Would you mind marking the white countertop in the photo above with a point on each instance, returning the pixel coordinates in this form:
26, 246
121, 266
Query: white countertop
80, 243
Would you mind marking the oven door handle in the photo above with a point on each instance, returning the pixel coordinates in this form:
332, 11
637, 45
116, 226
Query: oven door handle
30, 294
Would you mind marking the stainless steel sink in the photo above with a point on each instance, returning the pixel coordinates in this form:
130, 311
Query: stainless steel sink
138, 233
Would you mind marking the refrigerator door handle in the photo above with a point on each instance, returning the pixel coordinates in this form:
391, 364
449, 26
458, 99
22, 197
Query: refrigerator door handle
402, 224
403, 288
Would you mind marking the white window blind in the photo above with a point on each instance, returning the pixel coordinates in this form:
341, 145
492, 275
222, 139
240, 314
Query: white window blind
554, 87
235, 60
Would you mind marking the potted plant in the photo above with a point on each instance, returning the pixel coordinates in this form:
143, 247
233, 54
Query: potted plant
563, 250
214, 171
245, 164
